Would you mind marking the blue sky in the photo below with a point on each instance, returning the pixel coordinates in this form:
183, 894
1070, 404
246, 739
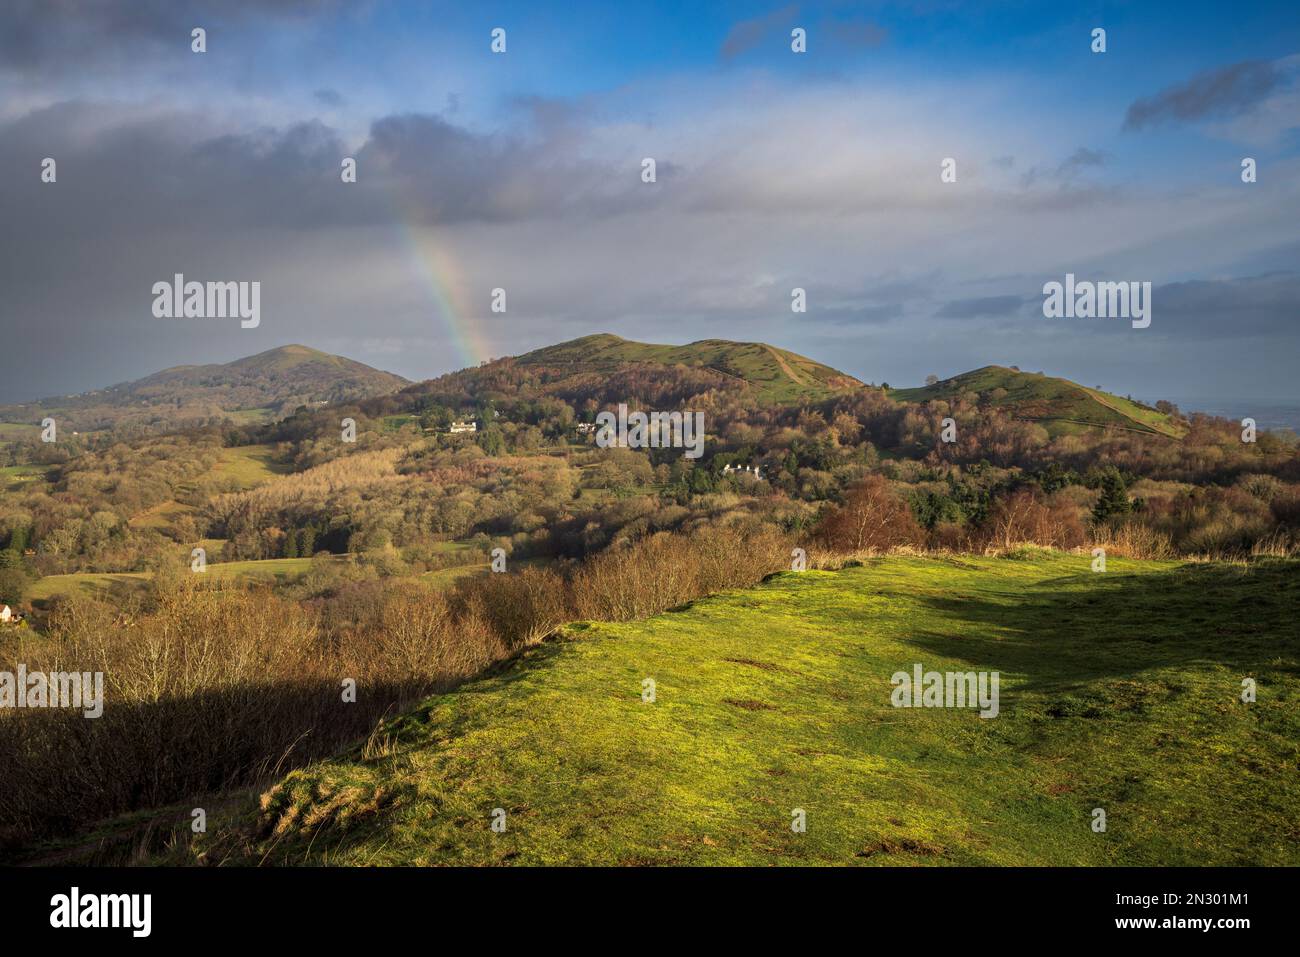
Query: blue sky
522, 171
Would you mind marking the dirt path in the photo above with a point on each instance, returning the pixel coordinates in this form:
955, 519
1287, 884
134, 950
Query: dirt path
1145, 426
785, 367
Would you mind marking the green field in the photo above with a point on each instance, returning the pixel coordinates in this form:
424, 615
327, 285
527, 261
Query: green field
16, 431
251, 416
103, 583
249, 465
162, 515
448, 576
85, 583
394, 423
1119, 691
14, 478
267, 570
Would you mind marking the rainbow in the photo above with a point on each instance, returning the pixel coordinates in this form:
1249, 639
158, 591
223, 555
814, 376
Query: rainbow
436, 268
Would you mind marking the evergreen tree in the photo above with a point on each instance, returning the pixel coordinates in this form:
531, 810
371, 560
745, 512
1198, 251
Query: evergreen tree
1114, 497
492, 441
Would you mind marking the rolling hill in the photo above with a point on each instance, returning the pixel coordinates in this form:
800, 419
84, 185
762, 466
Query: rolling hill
1060, 405
779, 698
776, 375
265, 386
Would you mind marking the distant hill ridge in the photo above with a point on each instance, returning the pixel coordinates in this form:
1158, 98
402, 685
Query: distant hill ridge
273, 383
262, 386
781, 376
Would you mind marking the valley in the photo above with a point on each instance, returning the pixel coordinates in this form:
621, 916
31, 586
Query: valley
469, 537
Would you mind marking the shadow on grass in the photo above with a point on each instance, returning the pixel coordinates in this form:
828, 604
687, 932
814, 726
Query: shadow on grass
1080, 628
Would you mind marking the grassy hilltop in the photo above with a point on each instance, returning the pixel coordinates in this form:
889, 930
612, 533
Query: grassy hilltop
1060, 405
1119, 690
776, 375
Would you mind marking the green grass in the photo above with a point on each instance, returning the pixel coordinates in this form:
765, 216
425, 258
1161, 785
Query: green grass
162, 515
443, 577
395, 423
251, 416
99, 584
777, 375
1119, 691
1060, 405
17, 431
249, 465
14, 478
267, 569
277, 570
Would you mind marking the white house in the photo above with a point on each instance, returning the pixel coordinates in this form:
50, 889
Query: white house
755, 473
6, 613
463, 427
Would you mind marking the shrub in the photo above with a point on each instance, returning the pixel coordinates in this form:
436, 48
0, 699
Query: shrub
871, 518
1026, 516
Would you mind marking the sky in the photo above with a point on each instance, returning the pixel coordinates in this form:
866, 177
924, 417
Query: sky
522, 170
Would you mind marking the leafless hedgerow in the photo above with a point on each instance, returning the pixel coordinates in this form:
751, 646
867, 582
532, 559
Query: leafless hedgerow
211, 688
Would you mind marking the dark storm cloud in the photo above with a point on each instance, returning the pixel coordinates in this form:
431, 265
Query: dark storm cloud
64, 37
1266, 305
125, 172
1226, 91
980, 308
448, 174
121, 170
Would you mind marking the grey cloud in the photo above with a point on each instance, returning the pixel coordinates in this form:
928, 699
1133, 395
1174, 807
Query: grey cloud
64, 37
745, 35
1264, 305
1226, 91
1080, 158
330, 98
123, 170
444, 172
853, 34
1065, 172
856, 315
980, 308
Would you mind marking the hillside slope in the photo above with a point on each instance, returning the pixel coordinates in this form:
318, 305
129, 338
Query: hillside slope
265, 385
1059, 404
777, 375
778, 698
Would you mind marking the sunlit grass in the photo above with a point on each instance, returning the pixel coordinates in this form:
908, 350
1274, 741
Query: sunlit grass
1119, 691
